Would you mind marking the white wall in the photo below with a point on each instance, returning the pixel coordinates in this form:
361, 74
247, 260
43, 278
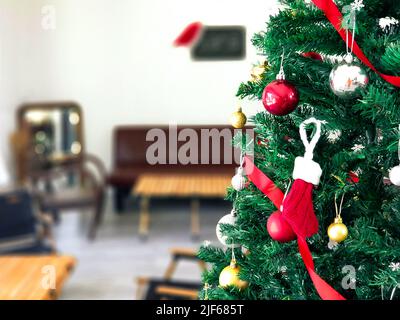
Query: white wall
115, 57
11, 33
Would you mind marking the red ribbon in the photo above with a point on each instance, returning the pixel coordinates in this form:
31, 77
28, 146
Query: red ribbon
263, 183
325, 291
189, 35
267, 186
335, 17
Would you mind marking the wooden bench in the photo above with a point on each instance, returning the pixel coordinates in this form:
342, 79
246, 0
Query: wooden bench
34, 277
130, 157
191, 186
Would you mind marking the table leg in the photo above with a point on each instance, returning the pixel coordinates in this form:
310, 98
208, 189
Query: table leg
195, 220
144, 217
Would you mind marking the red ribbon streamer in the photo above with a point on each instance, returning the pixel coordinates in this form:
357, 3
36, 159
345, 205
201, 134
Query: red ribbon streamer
335, 17
325, 291
189, 35
267, 186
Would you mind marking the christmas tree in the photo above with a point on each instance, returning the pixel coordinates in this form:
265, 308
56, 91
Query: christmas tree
356, 105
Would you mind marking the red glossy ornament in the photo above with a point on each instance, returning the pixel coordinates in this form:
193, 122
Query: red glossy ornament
353, 177
262, 141
312, 55
280, 97
279, 229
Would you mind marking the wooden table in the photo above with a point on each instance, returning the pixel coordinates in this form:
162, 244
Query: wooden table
33, 277
192, 186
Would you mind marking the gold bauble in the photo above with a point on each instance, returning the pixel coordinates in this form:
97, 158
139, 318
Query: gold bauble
337, 231
258, 71
229, 276
238, 119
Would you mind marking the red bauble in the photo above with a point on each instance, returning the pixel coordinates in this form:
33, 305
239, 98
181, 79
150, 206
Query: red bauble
312, 55
280, 97
279, 229
353, 177
262, 141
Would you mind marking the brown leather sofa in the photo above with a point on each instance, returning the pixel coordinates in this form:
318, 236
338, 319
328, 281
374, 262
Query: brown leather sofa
130, 148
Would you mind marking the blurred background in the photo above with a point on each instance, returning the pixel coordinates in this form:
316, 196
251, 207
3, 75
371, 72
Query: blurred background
83, 214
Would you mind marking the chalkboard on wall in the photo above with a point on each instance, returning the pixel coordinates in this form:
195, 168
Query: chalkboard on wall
220, 43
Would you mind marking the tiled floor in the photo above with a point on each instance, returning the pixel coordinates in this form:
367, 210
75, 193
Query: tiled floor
108, 266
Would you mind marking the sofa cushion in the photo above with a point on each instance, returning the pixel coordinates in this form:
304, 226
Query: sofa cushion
18, 224
16, 215
127, 176
131, 145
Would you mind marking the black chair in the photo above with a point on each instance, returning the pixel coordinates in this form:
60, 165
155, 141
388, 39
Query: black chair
21, 230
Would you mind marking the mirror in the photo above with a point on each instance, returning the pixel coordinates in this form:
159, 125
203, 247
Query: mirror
52, 132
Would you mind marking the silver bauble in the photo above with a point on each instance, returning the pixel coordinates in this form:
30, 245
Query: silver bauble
239, 181
228, 219
347, 79
394, 176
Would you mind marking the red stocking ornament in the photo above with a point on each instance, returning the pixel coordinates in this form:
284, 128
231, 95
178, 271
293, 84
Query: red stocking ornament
298, 209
